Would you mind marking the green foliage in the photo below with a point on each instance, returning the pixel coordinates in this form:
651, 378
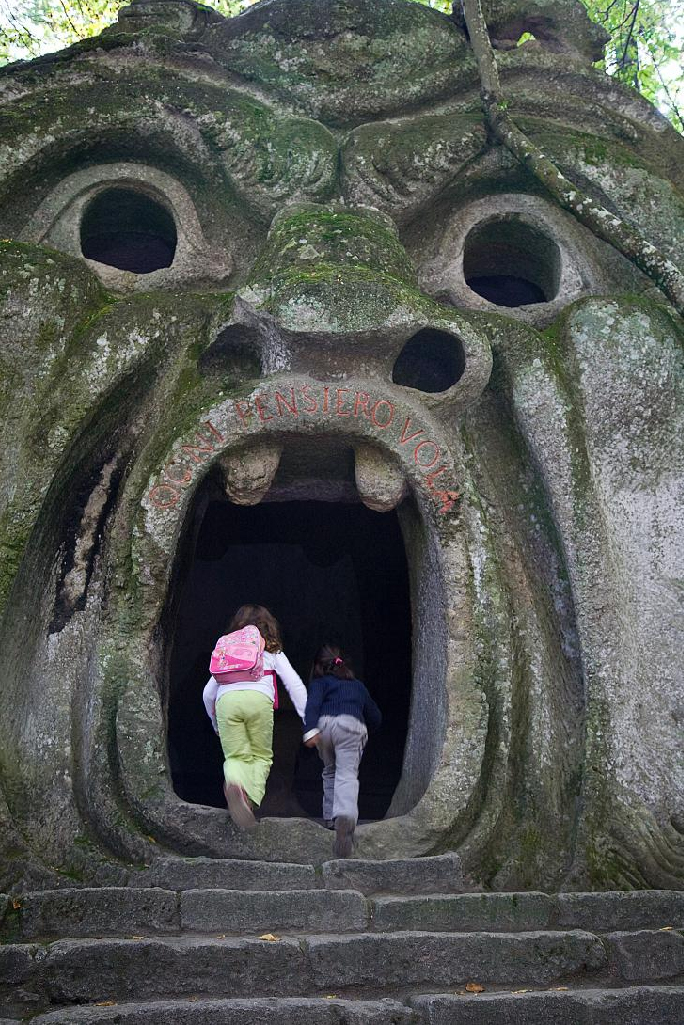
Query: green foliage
645, 48
439, 5
30, 27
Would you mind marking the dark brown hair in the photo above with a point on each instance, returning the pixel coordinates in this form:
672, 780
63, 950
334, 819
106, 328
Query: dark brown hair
331, 661
265, 622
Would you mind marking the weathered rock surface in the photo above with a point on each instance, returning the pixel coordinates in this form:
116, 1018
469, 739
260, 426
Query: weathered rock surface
293, 246
590, 1007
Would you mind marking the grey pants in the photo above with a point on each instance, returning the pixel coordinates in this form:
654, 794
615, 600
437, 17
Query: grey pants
341, 744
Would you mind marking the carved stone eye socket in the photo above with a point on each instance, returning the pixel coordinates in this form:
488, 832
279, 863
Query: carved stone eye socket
511, 263
127, 229
431, 361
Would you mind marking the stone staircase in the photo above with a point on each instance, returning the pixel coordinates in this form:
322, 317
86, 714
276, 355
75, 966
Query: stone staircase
197, 941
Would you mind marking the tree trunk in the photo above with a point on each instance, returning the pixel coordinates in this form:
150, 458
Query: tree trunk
604, 224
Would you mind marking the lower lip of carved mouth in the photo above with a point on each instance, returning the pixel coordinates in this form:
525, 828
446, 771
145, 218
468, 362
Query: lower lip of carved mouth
331, 570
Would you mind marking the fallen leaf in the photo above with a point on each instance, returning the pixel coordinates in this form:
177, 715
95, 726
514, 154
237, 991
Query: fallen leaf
106, 1003
270, 937
460, 993
474, 987
151, 839
137, 937
16, 904
520, 991
666, 928
330, 996
559, 989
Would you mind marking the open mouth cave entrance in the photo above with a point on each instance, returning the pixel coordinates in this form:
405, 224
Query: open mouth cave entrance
329, 571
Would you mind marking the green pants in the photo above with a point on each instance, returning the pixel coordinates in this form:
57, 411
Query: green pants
245, 724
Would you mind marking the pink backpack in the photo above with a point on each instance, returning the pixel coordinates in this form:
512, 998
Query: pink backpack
238, 657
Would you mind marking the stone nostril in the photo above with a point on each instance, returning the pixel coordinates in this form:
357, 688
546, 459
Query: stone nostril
236, 350
430, 361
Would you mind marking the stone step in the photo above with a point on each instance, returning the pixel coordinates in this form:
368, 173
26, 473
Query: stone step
521, 912
363, 964
440, 874
117, 911
631, 1006
275, 1011
228, 874
35, 977
636, 1005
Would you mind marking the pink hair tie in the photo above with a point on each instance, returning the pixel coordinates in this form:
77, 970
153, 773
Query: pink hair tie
338, 661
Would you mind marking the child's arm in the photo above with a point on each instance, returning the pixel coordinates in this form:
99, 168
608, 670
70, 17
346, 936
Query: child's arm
292, 681
371, 713
209, 698
313, 712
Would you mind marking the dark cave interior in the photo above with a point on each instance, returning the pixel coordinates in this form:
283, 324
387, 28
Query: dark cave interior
332, 571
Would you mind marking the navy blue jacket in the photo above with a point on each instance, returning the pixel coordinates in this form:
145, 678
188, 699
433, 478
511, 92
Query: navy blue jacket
329, 695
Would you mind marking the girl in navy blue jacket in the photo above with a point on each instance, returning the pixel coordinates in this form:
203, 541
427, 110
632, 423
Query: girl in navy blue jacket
339, 711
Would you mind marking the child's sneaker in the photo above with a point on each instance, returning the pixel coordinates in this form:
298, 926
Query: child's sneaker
344, 836
239, 806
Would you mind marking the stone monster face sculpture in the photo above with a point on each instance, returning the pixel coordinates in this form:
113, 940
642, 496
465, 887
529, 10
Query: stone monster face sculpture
268, 288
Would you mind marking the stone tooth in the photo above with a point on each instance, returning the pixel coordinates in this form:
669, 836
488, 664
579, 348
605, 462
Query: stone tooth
249, 473
380, 483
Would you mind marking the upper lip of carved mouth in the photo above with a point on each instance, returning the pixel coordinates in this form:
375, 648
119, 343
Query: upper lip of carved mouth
395, 446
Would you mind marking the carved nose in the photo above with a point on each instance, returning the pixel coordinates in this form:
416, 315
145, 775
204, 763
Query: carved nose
334, 272
333, 294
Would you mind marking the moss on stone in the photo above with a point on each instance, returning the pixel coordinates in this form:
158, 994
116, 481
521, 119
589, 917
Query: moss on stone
265, 155
410, 158
341, 61
594, 149
309, 243
334, 298
62, 298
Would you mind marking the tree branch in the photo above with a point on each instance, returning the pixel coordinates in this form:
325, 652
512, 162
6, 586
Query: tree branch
663, 84
67, 15
604, 224
629, 62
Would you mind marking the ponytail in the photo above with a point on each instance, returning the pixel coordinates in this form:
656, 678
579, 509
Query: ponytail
331, 661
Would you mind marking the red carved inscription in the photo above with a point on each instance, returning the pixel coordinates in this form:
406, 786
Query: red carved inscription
306, 401
179, 471
381, 414
282, 402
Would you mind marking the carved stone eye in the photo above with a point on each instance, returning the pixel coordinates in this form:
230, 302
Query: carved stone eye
129, 230
431, 361
511, 263
137, 225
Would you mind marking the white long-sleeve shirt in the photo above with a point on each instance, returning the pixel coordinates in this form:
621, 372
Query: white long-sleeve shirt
279, 662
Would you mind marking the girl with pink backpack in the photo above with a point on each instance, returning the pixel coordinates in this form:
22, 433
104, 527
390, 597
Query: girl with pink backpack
239, 699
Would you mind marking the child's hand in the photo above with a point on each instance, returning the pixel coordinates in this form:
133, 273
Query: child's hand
312, 741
